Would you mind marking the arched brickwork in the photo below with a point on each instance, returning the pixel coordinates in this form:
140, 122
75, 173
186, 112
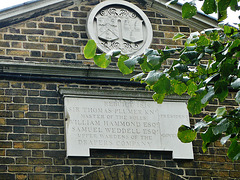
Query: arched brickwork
131, 172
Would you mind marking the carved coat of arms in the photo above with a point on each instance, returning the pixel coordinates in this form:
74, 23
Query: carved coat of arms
107, 28
132, 30
120, 25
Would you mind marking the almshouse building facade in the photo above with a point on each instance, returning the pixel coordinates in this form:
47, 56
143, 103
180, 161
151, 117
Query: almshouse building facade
41, 60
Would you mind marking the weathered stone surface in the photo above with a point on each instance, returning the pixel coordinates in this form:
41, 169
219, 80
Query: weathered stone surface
124, 124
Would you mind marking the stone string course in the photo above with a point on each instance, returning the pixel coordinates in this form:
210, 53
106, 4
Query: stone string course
32, 142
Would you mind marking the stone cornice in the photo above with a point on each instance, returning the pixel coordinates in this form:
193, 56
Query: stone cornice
30, 10
60, 70
199, 21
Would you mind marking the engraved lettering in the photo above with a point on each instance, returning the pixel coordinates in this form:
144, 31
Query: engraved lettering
124, 124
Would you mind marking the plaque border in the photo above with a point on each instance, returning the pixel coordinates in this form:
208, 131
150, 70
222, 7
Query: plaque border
83, 93
117, 94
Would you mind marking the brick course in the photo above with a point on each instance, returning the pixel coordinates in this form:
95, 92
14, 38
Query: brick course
38, 144
53, 36
32, 142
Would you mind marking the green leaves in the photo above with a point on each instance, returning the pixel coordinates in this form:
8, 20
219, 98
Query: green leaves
221, 123
188, 10
178, 36
236, 83
237, 97
208, 137
212, 78
192, 88
229, 30
224, 139
90, 49
137, 77
227, 67
221, 90
190, 73
113, 53
209, 6
208, 96
186, 134
121, 65
221, 111
203, 41
162, 86
222, 9
179, 87
235, 46
158, 97
190, 56
212, 34
234, 5
194, 105
155, 61
131, 62
200, 125
101, 61
234, 150
153, 77
192, 39
208, 118
221, 127
181, 67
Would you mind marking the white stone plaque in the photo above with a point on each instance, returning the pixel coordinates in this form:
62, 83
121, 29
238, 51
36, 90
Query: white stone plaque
93, 123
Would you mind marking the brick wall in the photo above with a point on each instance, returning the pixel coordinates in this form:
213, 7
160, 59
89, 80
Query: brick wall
60, 37
32, 142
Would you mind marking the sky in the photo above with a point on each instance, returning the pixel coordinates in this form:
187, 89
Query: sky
232, 16
8, 3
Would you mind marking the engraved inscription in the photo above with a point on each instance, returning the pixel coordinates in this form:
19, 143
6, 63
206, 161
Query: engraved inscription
121, 124
117, 122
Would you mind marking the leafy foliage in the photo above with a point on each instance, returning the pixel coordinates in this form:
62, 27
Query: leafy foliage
208, 7
188, 10
208, 66
90, 49
186, 134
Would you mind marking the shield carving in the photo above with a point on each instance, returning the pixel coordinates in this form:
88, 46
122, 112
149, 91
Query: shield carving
107, 28
132, 30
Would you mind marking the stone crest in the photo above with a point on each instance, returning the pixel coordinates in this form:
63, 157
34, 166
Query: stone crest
119, 25
107, 28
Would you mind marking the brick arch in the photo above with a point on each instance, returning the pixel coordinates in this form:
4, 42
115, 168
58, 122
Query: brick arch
131, 172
